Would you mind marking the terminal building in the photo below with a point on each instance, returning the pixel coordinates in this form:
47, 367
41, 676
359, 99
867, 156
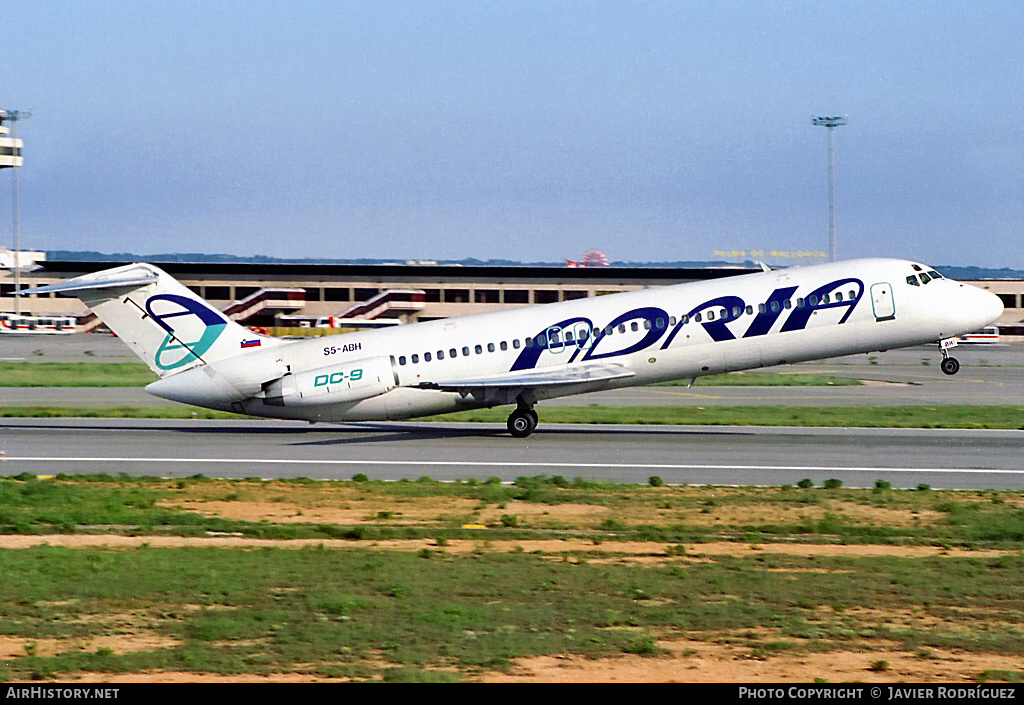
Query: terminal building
308, 298
314, 299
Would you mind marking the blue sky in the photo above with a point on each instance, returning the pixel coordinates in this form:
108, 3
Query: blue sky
522, 130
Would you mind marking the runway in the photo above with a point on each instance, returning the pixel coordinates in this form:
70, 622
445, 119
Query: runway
970, 459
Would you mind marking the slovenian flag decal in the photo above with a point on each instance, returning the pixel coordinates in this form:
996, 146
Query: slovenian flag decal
255, 343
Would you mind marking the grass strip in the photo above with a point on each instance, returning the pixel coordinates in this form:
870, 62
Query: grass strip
75, 374
192, 506
966, 416
361, 613
766, 379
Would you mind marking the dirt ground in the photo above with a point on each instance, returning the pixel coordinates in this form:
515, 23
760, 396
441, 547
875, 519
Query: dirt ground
681, 661
700, 659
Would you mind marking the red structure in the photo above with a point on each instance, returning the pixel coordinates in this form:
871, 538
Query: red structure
591, 258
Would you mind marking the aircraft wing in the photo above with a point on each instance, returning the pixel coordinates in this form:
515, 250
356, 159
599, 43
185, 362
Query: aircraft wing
533, 379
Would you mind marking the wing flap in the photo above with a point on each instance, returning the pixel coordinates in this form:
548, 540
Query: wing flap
557, 377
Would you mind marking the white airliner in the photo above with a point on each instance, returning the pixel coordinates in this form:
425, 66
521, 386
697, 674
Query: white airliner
526, 355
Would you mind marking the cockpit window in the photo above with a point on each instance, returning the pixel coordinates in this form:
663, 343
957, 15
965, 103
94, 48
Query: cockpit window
917, 268
924, 278
912, 280
934, 275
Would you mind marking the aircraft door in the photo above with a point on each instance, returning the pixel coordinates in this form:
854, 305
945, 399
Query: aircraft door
882, 302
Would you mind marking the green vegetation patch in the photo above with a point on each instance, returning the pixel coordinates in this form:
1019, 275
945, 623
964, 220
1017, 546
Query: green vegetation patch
75, 374
426, 509
362, 614
437, 613
970, 417
766, 379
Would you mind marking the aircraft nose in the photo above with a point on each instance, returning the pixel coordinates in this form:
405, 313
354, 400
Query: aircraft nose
991, 305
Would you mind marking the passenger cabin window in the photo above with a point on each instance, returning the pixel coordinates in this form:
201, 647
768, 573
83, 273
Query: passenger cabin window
415, 359
478, 349
426, 357
440, 354
515, 344
401, 359
465, 351
504, 346
787, 304
490, 347
633, 326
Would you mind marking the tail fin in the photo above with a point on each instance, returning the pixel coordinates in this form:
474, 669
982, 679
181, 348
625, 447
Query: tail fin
165, 323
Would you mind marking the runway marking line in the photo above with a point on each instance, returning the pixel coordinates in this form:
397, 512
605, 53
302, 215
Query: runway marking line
484, 463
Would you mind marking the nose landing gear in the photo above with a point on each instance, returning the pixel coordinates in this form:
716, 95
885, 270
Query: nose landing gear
949, 365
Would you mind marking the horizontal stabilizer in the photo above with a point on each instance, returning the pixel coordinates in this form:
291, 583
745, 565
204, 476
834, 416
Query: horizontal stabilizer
128, 280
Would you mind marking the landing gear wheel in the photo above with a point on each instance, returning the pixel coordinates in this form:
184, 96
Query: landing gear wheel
950, 365
522, 423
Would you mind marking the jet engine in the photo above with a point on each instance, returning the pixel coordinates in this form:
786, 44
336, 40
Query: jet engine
335, 384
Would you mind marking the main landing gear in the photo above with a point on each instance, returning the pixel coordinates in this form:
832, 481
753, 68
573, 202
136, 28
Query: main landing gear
523, 420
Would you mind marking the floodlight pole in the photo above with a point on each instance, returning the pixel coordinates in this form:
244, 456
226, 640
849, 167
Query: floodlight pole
13, 117
831, 123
